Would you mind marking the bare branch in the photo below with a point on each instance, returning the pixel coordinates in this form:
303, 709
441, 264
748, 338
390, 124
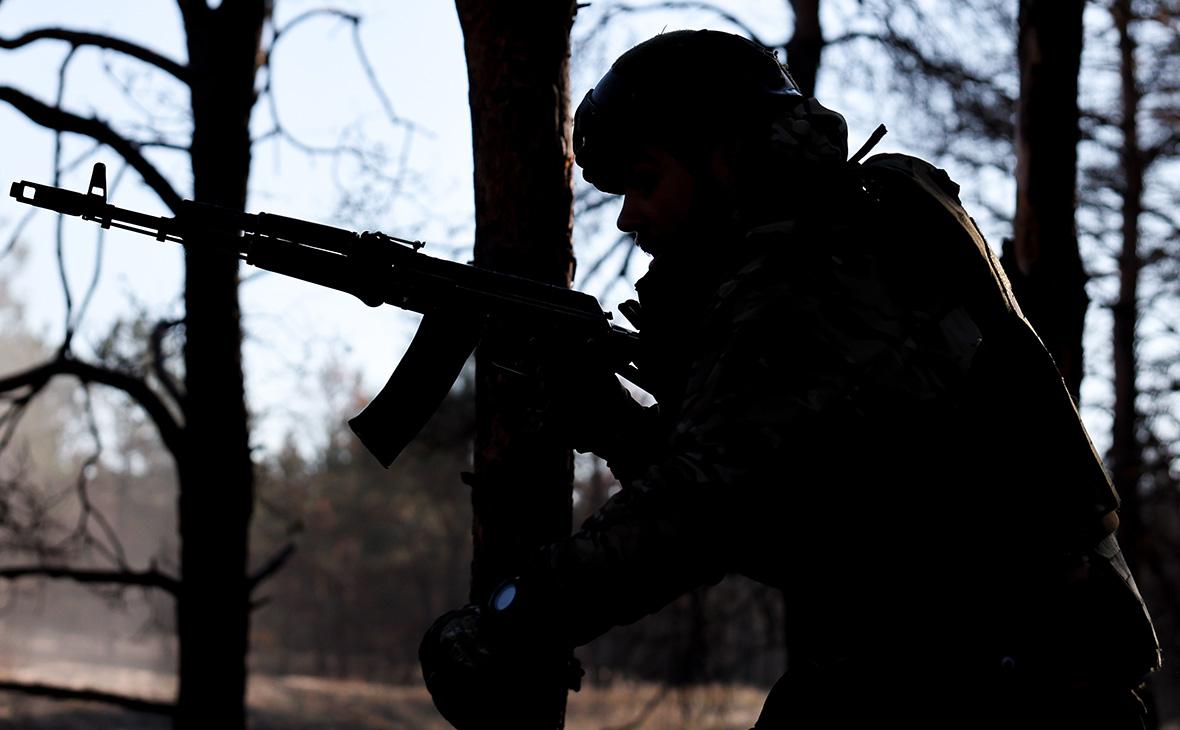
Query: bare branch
58, 119
11, 417
99, 247
1166, 147
35, 378
272, 566
371, 73
624, 240
372, 159
19, 229
589, 200
59, 221
153, 112
90, 695
626, 263
981, 99
80, 38
169, 383
362, 57
315, 13
952, 72
110, 547
707, 7
163, 144
139, 579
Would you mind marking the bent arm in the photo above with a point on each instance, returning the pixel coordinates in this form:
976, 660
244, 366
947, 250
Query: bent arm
791, 361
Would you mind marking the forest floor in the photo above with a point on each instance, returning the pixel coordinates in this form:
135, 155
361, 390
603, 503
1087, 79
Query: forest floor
315, 703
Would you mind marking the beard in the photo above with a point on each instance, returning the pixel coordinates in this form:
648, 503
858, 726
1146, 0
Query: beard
711, 224
644, 244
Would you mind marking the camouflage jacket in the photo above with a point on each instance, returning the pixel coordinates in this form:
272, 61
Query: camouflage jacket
873, 447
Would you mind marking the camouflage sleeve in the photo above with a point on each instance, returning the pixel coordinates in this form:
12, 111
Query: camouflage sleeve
792, 357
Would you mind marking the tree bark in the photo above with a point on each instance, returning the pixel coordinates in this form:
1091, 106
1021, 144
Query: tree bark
806, 45
215, 473
1042, 258
518, 71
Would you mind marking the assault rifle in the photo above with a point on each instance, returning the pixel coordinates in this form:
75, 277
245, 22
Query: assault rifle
457, 300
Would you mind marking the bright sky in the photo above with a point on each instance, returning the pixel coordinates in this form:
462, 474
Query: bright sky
323, 98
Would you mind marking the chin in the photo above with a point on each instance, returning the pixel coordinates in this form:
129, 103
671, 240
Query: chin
649, 246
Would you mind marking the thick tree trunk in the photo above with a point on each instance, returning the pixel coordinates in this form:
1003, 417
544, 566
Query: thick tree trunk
216, 474
806, 45
518, 70
1042, 259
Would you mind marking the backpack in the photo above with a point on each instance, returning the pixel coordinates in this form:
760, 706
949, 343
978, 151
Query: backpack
937, 244
1043, 464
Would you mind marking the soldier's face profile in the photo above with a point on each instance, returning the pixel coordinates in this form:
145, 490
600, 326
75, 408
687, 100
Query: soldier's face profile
661, 201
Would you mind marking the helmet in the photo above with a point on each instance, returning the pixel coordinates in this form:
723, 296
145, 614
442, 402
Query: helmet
676, 90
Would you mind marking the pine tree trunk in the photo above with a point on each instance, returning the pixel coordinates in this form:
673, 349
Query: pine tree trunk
518, 70
1043, 259
806, 45
216, 474
1126, 452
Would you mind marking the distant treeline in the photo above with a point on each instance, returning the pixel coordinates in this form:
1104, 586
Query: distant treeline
382, 553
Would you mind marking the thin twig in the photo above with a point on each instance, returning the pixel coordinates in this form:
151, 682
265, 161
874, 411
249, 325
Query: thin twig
112, 548
19, 229
59, 221
154, 120
621, 9
622, 240
159, 366
99, 248
272, 566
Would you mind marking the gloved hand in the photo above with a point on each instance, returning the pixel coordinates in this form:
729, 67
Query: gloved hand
586, 404
482, 678
459, 669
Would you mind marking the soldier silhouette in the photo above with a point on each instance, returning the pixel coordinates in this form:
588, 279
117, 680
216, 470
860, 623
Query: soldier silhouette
850, 407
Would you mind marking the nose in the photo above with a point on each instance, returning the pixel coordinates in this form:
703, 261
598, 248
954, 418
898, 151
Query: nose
630, 216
